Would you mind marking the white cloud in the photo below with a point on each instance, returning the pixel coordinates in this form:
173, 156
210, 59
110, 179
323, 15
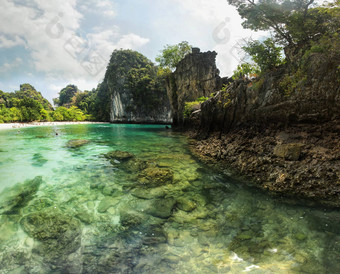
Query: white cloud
51, 30
10, 66
6, 42
225, 27
131, 41
103, 7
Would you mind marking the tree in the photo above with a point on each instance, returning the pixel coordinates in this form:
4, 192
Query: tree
171, 55
265, 54
66, 95
272, 15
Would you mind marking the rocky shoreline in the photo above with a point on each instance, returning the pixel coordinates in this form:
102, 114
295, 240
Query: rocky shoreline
301, 160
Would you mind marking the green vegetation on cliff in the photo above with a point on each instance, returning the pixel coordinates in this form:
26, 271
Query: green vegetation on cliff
76, 105
28, 105
307, 34
133, 79
171, 55
25, 105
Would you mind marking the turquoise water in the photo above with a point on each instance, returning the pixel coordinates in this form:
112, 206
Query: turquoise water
155, 209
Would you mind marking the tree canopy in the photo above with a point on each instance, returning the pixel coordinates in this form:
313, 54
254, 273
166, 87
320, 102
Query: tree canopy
275, 15
66, 95
171, 55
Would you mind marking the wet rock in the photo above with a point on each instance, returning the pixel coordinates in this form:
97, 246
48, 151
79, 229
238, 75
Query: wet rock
14, 198
85, 217
290, 152
135, 165
76, 143
154, 237
131, 219
161, 208
155, 176
106, 203
58, 233
147, 193
111, 191
126, 161
38, 160
186, 204
37, 205
97, 185
118, 155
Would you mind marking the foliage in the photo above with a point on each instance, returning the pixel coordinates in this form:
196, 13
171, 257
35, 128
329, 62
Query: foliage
130, 71
66, 95
293, 82
274, 15
225, 97
171, 55
202, 99
68, 114
27, 105
265, 54
309, 34
245, 70
189, 108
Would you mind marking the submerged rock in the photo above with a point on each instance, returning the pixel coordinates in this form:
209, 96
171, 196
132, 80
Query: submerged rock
155, 176
18, 196
37, 205
118, 155
186, 204
76, 143
38, 160
130, 219
126, 161
148, 193
161, 208
58, 233
106, 203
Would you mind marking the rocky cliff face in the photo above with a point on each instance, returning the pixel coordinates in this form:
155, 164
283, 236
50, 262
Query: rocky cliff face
278, 132
132, 92
264, 103
126, 108
195, 76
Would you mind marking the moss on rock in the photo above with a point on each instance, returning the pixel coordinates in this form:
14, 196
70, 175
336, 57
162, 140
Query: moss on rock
14, 198
155, 176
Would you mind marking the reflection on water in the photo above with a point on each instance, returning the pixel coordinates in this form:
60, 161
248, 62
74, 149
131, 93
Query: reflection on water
147, 207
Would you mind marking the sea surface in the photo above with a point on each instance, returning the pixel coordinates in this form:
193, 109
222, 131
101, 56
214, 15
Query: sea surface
147, 207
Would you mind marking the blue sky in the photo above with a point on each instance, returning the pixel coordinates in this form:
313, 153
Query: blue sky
50, 44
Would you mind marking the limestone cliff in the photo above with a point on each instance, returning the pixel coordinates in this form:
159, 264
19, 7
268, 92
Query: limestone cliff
279, 131
133, 91
195, 76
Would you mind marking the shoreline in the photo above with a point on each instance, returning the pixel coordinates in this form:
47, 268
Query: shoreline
6, 126
299, 161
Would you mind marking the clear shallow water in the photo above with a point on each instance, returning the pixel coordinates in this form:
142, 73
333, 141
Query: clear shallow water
87, 214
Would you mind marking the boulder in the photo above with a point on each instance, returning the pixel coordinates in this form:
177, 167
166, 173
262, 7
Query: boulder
290, 152
118, 155
130, 219
161, 208
38, 160
58, 233
76, 143
186, 204
106, 203
155, 176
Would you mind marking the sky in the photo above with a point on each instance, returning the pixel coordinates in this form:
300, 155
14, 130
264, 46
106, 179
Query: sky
51, 44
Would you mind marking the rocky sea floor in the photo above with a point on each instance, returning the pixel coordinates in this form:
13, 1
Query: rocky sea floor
132, 199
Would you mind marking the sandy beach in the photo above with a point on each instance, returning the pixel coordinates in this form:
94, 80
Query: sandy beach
36, 124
